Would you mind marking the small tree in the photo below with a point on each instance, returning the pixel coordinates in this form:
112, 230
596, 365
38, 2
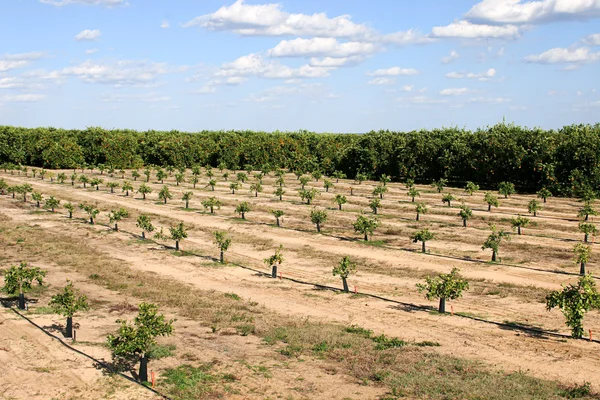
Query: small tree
178, 234
444, 286
280, 181
317, 175
234, 186
344, 269
179, 178
61, 177
519, 222
340, 199
365, 226
24, 189
225, 175
209, 172
409, 183
274, 261
145, 224
37, 197
491, 200
116, 216
338, 175
135, 174
587, 229
493, 241
385, 179
586, 211
242, 177
374, 205
574, 301
465, 213
298, 173
67, 304
279, 192
112, 186
212, 183
506, 188
211, 203
379, 191
582, 256
91, 210
223, 243
144, 190
277, 214
544, 193
194, 181
304, 181
73, 179
127, 187
135, 340
242, 209
259, 176
52, 203
42, 174
361, 177
186, 197
423, 236
161, 175
96, 182
421, 208
327, 184
471, 188
413, 192
533, 207
448, 198
147, 172
309, 195
165, 194
255, 188
440, 184
20, 278
318, 217
221, 166
85, 180
70, 208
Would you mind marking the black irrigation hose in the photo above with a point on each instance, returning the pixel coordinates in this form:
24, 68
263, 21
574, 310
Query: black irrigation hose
106, 366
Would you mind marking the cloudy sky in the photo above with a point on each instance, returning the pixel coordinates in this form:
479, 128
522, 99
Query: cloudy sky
325, 66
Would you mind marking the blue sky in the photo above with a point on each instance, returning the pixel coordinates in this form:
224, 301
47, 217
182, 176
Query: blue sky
325, 66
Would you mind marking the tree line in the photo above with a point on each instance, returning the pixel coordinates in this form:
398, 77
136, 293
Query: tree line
566, 161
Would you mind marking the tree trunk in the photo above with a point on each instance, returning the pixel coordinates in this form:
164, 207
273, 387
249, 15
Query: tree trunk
280, 197
70, 215
21, 301
366, 237
127, 193
97, 187
116, 227
213, 188
326, 190
345, 284
413, 199
69, 328
587, 216
318, 227
277, 221
112, 189
375, 211
212, 210
381, 196
423, 249
489, 207
222, 259
417, 216
518, 230
143, 374
165, 200
37, 204
144, 196
351, 191
544, 199
256, 194
274, 271
186, 204
442, 308
243, 215
143, 235
340, 207
177, 245
91, 220
464, 222
582, 269
493, 256
535, 213
585, 239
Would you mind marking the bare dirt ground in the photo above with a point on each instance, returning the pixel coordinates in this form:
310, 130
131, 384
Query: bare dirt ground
512, 291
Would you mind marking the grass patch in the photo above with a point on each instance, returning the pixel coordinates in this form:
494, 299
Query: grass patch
187, 382
158, 351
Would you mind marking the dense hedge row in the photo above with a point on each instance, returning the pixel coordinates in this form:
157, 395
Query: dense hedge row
563, 160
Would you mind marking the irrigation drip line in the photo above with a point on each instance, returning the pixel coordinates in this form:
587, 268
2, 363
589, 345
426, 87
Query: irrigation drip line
104, 365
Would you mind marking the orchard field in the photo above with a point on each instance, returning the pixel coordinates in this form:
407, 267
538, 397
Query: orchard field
240, 333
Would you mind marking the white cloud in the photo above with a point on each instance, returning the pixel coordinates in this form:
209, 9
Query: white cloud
271, 20
313, 91
482, 76
14, 61
394, 71
165, 24
146, 98
108, 3
22, 98
451, 57
88, 34
533, 12
559, 55
454, 91
321, 47
421, 100
489, 100
331, 62
256, 65
552, 92
120, 73
382, 81
91, 51
206, 89
592, 40
468, 30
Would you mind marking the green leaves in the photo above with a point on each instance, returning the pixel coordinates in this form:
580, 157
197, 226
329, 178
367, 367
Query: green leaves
222, 241
575, 301
444, 286
345, 268
365, 226
20, 278
144, 223
276, 258
506, 188
69, 301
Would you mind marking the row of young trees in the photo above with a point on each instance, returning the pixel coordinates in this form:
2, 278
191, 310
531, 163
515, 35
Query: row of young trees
561, 160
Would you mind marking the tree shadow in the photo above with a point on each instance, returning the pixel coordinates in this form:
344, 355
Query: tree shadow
526, 329
412, 308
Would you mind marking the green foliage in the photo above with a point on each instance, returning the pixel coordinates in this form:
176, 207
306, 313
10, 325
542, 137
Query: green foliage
61, 177
575, 301
424, 235
187, 196
374, 205
136, 339
345, 268
533, 207
304, 181
586, 211
582, 253
276, 258
242, 177
491, 200
70, 208
444, 286
588, 229
211, 203
494, 239
409, 183
144, 190
112, 186
165, 194
308, 195
544, 194
127, 187
316, 175
52, 203
91, 210
361, 177
37, 197
179, 178
440, 184
279, 192
277, 214
234, 186
340, 200
178, 232
465, 213
448, 198
421, 208
338, 175
365, 226
413, 192
385, 179
115, 216
506, 188
327, 184
69, 301
222, 241
144, 223
519, 222
135, 174
20, 278
318, 217
242, 209
379, 191
255, 188
160, 175
471, 188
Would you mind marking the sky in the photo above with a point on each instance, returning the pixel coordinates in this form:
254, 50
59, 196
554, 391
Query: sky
325, 66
